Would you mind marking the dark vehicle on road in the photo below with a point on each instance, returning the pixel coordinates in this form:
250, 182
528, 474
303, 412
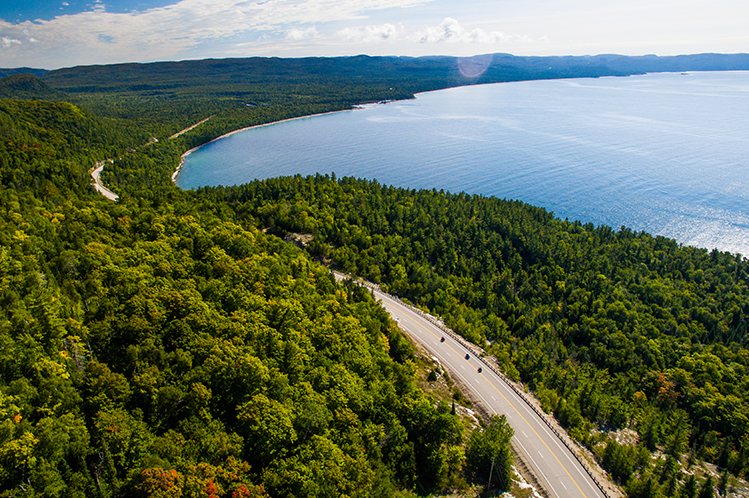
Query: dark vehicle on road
468, 357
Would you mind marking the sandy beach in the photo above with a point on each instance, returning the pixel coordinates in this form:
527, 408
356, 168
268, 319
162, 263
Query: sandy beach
177, 171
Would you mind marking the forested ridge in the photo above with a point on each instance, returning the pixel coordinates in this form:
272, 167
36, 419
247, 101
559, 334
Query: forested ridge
610, 329
171, 344
152, 348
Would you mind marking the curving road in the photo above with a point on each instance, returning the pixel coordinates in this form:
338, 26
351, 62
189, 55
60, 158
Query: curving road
95, 174
559, 471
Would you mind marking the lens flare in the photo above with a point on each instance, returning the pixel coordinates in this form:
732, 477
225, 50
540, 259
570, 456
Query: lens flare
473, 67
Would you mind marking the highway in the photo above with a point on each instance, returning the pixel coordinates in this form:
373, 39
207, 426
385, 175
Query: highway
560, 473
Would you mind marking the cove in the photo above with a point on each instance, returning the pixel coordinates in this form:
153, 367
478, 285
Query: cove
665, 153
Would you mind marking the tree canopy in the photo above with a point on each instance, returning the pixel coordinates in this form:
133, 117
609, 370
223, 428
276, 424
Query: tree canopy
172, 344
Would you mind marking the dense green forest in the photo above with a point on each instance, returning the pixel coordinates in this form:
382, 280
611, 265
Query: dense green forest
610, 329
171, 344
150, 348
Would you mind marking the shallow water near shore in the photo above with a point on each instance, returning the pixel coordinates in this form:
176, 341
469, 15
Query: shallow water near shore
664, 153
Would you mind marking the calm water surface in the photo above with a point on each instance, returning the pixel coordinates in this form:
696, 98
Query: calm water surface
665, 153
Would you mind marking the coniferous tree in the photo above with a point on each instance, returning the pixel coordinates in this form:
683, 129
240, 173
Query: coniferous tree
707, 490
488, 453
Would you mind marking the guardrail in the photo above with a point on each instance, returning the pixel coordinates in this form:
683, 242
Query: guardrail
480, 356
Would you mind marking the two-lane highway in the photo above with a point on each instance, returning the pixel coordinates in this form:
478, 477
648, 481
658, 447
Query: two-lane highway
560, 473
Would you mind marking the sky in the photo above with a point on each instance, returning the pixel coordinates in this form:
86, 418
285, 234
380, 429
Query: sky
52, 34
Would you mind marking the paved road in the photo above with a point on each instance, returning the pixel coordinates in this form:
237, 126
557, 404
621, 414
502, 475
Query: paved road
552, 462
95, 174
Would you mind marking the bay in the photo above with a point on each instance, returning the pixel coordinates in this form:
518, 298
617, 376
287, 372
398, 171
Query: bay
665, 153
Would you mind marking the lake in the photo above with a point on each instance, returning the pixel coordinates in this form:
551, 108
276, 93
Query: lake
665, 153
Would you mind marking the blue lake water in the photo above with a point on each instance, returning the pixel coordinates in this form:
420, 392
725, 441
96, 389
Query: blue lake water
665, 153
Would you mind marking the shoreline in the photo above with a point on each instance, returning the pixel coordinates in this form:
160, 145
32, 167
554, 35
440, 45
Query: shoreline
177, 171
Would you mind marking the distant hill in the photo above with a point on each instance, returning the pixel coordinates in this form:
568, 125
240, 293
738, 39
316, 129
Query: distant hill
27, 86
19, 70
240, 76
417, 73
439, 71
676, 63
529, 68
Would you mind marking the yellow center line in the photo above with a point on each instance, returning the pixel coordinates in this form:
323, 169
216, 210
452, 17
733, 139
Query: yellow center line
524, 420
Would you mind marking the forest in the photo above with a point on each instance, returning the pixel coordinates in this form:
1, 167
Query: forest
609, 329
148, 348
172, 344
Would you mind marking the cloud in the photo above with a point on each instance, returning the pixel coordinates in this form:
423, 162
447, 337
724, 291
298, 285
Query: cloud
370, 34
450, 30
301, 34
241, 28
7, 42
171, 32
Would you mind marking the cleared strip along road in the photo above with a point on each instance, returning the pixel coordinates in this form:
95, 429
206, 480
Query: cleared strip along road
554, 465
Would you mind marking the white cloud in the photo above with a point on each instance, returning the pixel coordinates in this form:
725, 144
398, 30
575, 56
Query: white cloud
170, 32
240, 28
7, 42
301, 34
450, 30
371, 34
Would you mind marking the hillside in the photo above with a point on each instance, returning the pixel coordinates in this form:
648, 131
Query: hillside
611, 329
153, 349
411, 73
27, 86
22, 70
172, 343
